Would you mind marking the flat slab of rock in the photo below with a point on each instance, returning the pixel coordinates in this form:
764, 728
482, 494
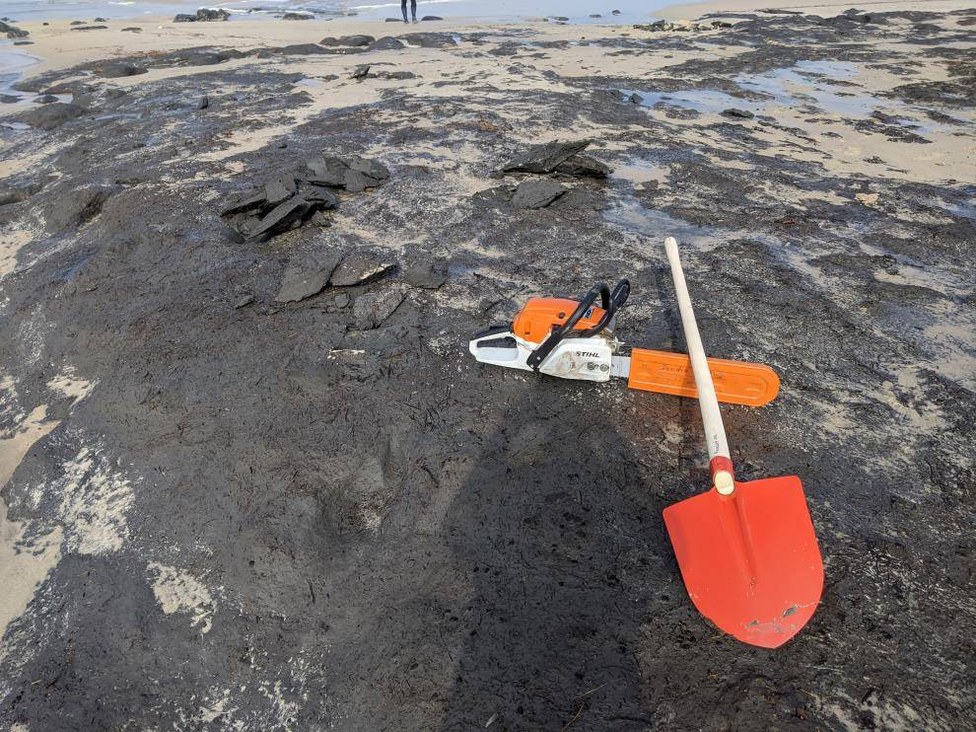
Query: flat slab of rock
279, 189
361, 267
355, 174
584, 166
319, 196
372, 309
537, 193
426, 276
247, 202
545, 158
281, 218
305, 276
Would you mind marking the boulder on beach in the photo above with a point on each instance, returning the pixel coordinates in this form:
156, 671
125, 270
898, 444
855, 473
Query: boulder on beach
12, 31
386, 43
203, 15
298, 16
354, 41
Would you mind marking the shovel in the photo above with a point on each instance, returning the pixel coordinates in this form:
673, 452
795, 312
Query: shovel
747, 551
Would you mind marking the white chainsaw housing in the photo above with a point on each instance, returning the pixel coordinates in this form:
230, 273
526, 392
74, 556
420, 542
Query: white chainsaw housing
586, 359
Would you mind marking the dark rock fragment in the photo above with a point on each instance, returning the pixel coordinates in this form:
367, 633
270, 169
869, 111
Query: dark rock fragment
532, 194
52, 116
352, 41
298, 16
386, 43
584, 166
430, 17
303, 49
132, 29
321, 197
9, 98
355, 174
428, 40
212, 14
426, 276
204, 102
120, 70
203, 15
89, 27
45, 99
361, 72
12, 31
9, 195
249, 202
280, 189
737, 113
372, 309
546, 157
361, 267
305, 276
77, 207
281, 218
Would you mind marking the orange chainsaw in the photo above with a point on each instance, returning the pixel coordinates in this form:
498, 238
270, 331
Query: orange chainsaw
573, 339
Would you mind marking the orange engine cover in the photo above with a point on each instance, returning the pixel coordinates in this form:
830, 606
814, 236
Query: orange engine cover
535, 321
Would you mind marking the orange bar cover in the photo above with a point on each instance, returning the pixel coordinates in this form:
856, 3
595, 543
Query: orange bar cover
736, 382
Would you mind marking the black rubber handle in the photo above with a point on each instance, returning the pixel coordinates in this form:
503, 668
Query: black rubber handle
610, 302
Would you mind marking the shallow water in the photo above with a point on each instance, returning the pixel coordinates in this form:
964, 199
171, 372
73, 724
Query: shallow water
808, 86
578, 11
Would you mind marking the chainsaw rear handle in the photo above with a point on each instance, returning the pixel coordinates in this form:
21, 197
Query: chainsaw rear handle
610, 302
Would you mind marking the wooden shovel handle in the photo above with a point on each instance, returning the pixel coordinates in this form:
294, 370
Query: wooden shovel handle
720, 460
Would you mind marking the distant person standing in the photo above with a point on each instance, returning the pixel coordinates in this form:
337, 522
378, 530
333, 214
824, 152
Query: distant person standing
413, 10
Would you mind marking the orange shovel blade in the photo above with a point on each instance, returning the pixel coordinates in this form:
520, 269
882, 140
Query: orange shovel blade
750, 560
736, 382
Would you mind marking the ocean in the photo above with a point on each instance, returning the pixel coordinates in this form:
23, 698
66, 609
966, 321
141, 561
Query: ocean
578, 11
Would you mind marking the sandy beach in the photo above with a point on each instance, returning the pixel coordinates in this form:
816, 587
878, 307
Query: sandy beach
251, 477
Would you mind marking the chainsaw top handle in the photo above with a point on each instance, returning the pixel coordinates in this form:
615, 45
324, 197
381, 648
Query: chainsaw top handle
610, 301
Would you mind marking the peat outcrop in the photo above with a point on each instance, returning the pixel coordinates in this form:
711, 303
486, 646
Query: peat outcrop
291, 198
560, 159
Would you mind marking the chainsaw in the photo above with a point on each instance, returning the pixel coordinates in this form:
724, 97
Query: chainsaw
573, 339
